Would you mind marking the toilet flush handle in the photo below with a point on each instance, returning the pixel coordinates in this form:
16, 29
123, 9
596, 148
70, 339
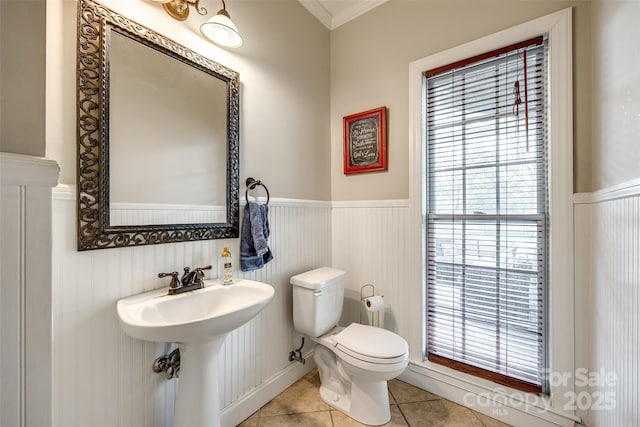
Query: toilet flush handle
317, 293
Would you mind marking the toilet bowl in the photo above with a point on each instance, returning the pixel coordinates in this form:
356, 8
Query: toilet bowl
355, 362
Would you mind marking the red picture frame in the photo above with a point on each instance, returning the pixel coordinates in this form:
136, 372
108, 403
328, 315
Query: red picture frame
365, 141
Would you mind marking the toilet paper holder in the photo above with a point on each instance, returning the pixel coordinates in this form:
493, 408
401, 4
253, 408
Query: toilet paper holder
377, 316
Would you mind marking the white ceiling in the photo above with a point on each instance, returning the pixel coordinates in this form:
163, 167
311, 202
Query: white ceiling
333, 13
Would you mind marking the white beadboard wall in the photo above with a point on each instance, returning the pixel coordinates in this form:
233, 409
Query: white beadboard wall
94, 362
25, 289
369, 243
610, 276
104, 378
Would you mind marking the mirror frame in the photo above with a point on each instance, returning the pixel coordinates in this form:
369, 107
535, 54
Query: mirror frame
95, 23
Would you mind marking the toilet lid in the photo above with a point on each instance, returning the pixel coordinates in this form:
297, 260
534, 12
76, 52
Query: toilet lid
371, 343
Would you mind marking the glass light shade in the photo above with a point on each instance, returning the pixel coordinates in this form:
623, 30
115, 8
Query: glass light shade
221, 30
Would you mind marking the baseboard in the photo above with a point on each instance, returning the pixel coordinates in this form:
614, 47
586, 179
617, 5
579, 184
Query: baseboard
242, 408
496, 402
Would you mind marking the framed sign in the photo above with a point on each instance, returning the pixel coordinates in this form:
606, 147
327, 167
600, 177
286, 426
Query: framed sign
365, 141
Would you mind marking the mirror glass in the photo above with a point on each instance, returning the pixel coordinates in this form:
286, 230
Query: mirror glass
158, 137
167, 139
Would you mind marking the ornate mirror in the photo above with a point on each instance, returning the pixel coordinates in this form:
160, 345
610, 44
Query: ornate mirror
158, 137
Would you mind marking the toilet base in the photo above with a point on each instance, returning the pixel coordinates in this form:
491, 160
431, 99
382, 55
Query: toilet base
357, 389
363, 400
368, 402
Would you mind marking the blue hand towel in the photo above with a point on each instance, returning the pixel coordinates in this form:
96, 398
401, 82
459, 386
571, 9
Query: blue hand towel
254, 246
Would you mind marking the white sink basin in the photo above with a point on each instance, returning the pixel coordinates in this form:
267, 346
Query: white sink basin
196, 316
199, 321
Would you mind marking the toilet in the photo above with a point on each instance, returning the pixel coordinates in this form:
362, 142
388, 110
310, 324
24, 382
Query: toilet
355, 362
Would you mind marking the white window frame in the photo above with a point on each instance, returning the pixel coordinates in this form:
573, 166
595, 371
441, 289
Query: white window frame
455, 385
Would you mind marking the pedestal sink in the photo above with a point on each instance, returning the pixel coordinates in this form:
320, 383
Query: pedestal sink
198, 321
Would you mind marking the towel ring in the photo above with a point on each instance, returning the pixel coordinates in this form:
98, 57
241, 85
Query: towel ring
253, 183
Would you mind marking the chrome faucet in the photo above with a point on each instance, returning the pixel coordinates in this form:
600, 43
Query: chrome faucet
188, 276
190, 280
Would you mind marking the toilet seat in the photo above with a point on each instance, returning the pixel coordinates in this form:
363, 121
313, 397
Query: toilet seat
370, 344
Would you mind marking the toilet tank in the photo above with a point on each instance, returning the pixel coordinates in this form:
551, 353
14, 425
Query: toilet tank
317, 300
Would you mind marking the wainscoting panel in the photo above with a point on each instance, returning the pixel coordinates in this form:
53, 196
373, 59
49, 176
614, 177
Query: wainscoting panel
25, 289
102, 377
614, 271
369, 243
616, 334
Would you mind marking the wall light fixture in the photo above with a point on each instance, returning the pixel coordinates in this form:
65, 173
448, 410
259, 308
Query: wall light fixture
219, 29
179, 9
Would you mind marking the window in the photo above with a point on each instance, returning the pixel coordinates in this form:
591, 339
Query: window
487, 214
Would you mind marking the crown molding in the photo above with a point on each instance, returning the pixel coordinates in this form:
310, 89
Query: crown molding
332, 22
317, 10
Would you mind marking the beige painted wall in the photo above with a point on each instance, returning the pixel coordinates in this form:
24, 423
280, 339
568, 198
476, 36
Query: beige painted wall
370, 59
284, 96
286, 85
22, 76
616, 92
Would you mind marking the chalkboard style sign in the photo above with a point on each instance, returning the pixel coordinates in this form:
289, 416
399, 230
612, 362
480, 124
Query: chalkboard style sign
365, 141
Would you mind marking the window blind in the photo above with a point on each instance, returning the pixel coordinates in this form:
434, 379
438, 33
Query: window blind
487, 209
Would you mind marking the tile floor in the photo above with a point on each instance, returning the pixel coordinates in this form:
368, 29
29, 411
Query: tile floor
300, 405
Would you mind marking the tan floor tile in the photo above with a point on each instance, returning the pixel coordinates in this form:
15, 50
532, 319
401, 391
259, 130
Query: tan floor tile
303, 396
438, 413
301, 405
341, 420
252, 421
309, 419
312, 377
405, 393
249, 422
490, 422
